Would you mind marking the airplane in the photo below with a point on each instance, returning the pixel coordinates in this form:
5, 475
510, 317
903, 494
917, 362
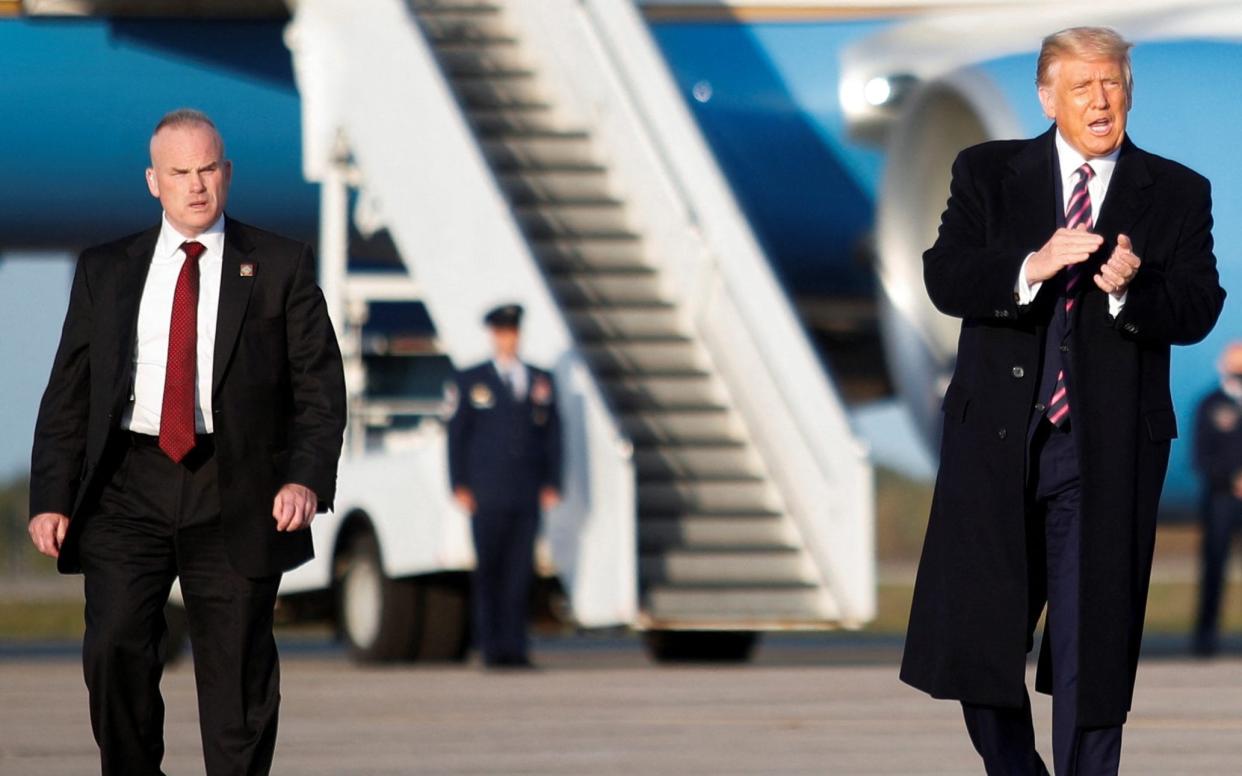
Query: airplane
833, 124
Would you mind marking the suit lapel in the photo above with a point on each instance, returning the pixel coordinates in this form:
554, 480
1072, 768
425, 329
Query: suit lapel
1030, 196
1128, 196
235, 289
131, 278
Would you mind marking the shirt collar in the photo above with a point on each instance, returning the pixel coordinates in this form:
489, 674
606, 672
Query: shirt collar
168, 246
1070, 160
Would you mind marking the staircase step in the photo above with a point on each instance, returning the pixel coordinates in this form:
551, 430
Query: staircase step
677, 496
456, 22
460, 6
557, 184
654, 356
593, 323
711, 426
535, 150
706, 530
602, 251
672, 461
725, 566
525, 117
746, 604
481, 57
512, 90
581, 288
634, 392
557, 220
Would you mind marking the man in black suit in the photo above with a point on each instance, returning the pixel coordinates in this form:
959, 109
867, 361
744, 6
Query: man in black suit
504, 449
1074, 261
190, 428
1218, 457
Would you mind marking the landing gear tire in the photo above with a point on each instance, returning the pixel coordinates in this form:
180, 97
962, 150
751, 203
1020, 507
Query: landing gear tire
664, 646
423, 619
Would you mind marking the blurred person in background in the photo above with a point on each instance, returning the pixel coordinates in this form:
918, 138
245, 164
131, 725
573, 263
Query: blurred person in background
190, 429
1218, 457
1075, 260
504, 446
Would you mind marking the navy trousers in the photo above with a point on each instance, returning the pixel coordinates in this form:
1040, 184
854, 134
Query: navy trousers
504, 543
1222, 516
1005, 738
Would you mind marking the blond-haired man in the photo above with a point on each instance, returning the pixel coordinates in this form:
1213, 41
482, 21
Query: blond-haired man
1075, 260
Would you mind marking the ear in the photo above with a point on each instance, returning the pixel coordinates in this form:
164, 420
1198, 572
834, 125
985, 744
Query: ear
153, 183
227, 167
1047, 102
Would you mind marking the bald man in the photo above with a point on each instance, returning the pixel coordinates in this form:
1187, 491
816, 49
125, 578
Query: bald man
1218, 457
190, 428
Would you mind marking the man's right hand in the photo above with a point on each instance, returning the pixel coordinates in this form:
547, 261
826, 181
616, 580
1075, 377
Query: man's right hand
465, 499
47, 531
1065, 247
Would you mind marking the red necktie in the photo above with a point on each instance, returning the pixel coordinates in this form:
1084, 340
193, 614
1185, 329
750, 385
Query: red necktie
1078, 212
177, 412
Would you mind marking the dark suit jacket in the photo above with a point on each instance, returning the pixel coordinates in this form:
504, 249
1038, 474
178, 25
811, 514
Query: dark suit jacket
503, 449
278, 392
969, 625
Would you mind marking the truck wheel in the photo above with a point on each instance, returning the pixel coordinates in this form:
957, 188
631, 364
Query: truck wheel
383, 620
442, 617
667, 646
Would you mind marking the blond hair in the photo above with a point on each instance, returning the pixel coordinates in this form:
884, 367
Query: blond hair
1086, 43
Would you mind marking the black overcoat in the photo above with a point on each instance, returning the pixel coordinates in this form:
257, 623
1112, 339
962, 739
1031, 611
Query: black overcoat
971, 624
278, 390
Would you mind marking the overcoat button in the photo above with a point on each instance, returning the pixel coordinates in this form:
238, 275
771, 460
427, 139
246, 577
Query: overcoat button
1041, 407
1130, 327
1001, 433
1019, 372
1065, 348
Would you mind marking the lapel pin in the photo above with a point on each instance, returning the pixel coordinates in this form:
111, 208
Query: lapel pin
247, 270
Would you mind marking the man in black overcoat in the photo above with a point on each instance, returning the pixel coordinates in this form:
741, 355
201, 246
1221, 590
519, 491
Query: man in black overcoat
504, 450
1075, 260
190, 428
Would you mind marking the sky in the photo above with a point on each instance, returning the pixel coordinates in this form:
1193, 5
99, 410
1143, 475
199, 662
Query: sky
34, 292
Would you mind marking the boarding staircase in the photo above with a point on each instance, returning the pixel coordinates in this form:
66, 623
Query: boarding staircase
716, 547
723, 541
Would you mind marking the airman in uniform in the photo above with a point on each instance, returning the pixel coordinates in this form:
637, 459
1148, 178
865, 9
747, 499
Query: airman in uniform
1218, 457
504, 446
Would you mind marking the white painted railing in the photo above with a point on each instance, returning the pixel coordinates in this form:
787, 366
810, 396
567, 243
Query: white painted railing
601, 55
369, 82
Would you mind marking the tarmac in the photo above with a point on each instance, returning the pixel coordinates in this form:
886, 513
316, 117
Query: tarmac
824, 704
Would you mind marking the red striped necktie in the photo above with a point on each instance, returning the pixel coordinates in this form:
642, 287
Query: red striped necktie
1077, 212
177, 412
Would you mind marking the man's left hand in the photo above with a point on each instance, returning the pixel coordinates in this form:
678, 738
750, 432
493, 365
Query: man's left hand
294, 507
1116, 273
549, 498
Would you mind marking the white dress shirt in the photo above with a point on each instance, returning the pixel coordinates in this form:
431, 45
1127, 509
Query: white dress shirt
515, 372
154, 318
1070, 160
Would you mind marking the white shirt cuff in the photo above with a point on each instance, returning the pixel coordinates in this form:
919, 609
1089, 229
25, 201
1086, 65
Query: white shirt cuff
1026, 292
1115, 304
